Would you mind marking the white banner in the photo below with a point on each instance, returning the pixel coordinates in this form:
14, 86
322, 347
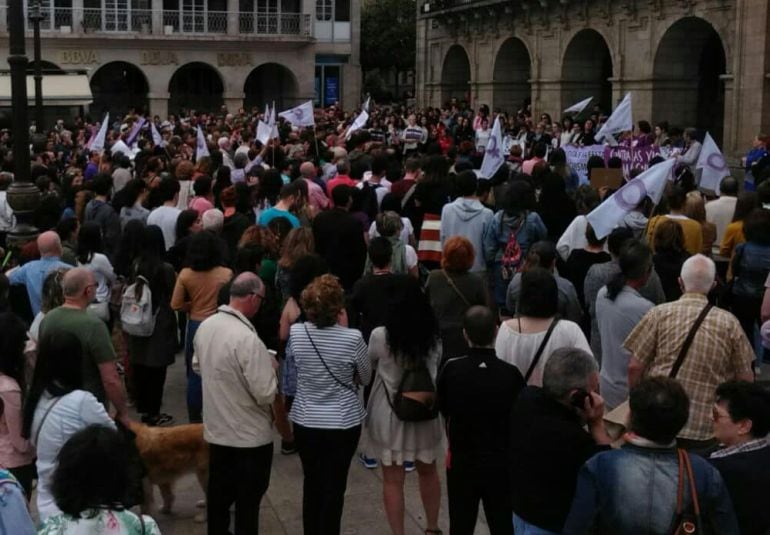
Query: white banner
577, 158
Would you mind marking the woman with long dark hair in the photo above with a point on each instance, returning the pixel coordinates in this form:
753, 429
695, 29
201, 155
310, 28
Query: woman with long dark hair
408, 341
196, 293
150, 356
16, 453
56, 408
89, 255
187, 224
129, 247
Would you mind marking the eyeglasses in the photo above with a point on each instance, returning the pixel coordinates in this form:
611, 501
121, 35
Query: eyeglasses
718, 415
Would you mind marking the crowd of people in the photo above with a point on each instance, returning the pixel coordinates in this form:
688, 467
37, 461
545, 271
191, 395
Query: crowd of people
368, 298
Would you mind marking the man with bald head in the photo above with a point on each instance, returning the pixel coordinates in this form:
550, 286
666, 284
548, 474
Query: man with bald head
239, 386
316, 195
32, 274
719, 351
99, 365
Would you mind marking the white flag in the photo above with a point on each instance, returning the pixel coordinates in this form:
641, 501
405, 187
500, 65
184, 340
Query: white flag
263, 132
713, 163
97, 142
366, 104
302, 115
493, 155
579, 107
358, 124
157, 139
621, 120
121, 147
201, 148
651, 183
274, 134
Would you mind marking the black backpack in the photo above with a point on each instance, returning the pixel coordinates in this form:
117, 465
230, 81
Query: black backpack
415, 399
369, 204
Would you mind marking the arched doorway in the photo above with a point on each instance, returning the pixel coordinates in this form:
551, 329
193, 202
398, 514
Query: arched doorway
455, 74
195, 86
586, 70
118, 87
270, 83
46, 67
511, 76
687, 88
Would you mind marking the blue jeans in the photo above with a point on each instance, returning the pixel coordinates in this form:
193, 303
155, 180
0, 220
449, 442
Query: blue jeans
194, 384
522, 527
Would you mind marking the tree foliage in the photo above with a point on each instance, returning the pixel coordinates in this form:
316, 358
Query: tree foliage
388, 35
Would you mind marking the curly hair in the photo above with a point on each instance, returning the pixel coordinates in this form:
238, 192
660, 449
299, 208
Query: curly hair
92, 471
257, 235
52, 294
458, 255
298, 243
322, 301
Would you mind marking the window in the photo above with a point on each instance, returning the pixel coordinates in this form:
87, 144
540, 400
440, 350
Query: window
342, 10
323, 10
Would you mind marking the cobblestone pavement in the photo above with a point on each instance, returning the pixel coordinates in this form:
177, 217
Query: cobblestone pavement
281, 510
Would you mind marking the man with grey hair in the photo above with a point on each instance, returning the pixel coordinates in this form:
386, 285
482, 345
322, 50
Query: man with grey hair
99, 363
549, 443
239, 386
213, 220
33, 274
719, 349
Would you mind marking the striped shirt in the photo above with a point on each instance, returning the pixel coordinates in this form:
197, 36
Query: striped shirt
328, 398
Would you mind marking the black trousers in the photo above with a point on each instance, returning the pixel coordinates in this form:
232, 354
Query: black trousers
148, 388
240, 476
467, 484
24, 475
325, 456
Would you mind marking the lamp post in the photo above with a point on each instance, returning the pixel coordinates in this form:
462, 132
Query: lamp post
23, 196
35, 15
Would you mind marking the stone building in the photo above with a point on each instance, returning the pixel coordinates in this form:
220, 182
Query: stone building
700, 63
165, 55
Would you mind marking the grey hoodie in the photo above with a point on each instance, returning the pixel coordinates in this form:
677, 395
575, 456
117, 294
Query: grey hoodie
471, 219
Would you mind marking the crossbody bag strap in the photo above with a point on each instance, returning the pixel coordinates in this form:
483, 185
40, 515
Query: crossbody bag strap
42, 421
344, 385
540, 350
408, 196
680, 485
455, 288
688, 341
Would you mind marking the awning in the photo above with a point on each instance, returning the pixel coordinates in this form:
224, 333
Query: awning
58, 90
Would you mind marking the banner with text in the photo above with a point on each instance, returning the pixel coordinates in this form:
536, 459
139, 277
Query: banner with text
577, 158
632, 157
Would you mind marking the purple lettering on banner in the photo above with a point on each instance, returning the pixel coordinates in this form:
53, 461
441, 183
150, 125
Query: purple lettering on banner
632, 157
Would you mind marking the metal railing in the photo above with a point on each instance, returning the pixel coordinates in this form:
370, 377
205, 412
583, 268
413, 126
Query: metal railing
168, 22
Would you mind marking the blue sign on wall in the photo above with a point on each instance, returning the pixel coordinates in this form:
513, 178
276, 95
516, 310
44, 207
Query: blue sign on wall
332, 90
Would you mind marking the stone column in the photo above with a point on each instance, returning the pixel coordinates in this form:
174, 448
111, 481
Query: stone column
159, 104
233, 15
77, 16
157, 17
233, 102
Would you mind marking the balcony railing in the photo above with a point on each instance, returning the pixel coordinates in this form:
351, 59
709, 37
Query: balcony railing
188, 23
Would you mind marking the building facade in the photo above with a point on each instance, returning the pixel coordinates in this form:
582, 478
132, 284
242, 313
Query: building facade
701, 63
163, 56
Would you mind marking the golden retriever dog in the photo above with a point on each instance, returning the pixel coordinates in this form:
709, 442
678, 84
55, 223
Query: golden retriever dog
168, 454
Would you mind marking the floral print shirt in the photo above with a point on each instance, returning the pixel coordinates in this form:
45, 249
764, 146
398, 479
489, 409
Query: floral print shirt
100, 522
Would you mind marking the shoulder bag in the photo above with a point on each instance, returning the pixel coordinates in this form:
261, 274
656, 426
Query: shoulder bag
540, 349
455, 288
686, 523
336, 379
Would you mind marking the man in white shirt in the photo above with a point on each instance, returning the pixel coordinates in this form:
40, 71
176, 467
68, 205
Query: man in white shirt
239, 386
165, 216
6, 212
721, 211
376, 178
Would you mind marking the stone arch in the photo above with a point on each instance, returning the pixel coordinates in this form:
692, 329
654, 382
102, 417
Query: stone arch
45, 67
456, 74
687, 88
511, 75
268, 83
117, 87
587, 69
197, 86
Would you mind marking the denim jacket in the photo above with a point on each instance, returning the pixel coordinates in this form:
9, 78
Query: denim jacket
633, 490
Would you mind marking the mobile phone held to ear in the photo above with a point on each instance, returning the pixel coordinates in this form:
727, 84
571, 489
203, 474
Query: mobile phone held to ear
578, 399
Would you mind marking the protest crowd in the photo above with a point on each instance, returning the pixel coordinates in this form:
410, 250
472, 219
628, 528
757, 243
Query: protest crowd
567, 315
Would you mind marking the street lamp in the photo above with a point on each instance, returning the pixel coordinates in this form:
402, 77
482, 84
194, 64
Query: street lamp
23, 196
35, 15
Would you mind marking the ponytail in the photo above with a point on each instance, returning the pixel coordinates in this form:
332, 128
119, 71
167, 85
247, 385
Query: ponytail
615, 285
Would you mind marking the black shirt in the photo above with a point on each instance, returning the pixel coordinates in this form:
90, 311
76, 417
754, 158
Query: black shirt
747, 477
374, 296
476, 396
340, 241
577, 266
548, 447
